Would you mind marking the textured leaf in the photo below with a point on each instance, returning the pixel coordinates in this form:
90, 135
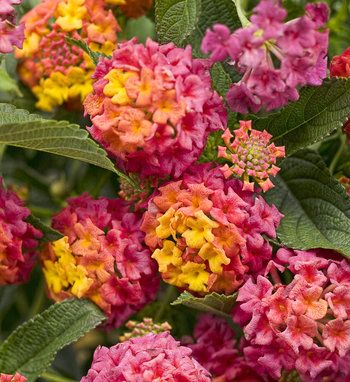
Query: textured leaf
215, 303
49, 233
21, 129
316, 207
8, 84
176, 19
319, 111
95, 56
31, 348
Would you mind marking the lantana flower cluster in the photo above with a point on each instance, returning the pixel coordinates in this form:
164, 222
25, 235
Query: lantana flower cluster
12, 378
215, 347
153, 107
273, 56
11, 34
252, 156
153, 357
57, 72
132, 8
146, 326
206, 233
304, 325
18, 239
102, 257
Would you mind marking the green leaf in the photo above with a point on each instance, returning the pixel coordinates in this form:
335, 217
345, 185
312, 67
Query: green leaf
316, 207
21, 129
319, 111
176, 19
142, 28
31, 348
215, 303
95, 56
8, 84
49, 233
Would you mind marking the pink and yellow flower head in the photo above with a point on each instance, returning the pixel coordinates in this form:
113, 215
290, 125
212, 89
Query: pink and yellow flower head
11, 34
18, 239
132, 8
205, 232
151, 358
304, 325
57, 72
102, 258
252, 156
12, 378
153, 107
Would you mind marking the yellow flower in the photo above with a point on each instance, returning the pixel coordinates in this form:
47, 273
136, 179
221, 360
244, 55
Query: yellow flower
52, 91
216, 257
30, 45
169, 254
71, 14
116, 2
64, 272
173, 276
80, 83
115, 87
163, 231
200, 230
195, 276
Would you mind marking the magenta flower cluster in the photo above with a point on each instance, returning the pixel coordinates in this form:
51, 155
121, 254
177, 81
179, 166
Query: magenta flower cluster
151, 358
153, 107
18, 239
273, 56
102, 257
11, 34
215, 347
304, 325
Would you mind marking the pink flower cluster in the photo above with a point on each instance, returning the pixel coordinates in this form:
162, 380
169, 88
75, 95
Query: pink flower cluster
151, 358
12, 378
18, 239
216, 349
153, 107
252, 156
10, 34
297, 45
207, 233
304, 325
102, 257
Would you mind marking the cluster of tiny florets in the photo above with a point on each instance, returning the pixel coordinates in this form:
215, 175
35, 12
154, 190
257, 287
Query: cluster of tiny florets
252, 155
146, 326
206, 233
153, 107
298, 45
153, 357
57, 72
18, 239
303, 325
101, 257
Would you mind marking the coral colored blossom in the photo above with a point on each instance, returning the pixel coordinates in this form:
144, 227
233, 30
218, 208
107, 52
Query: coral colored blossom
102, 257
59, 73
340, 65
215, 347
18, 239
206, 232
153, 107
304, 325
11, 34
273, 56
151, 358
12, 378
252, 156
132, 8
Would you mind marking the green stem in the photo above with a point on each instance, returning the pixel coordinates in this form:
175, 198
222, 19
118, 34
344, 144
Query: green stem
53, 377
338, 154
240, 12
39, 300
